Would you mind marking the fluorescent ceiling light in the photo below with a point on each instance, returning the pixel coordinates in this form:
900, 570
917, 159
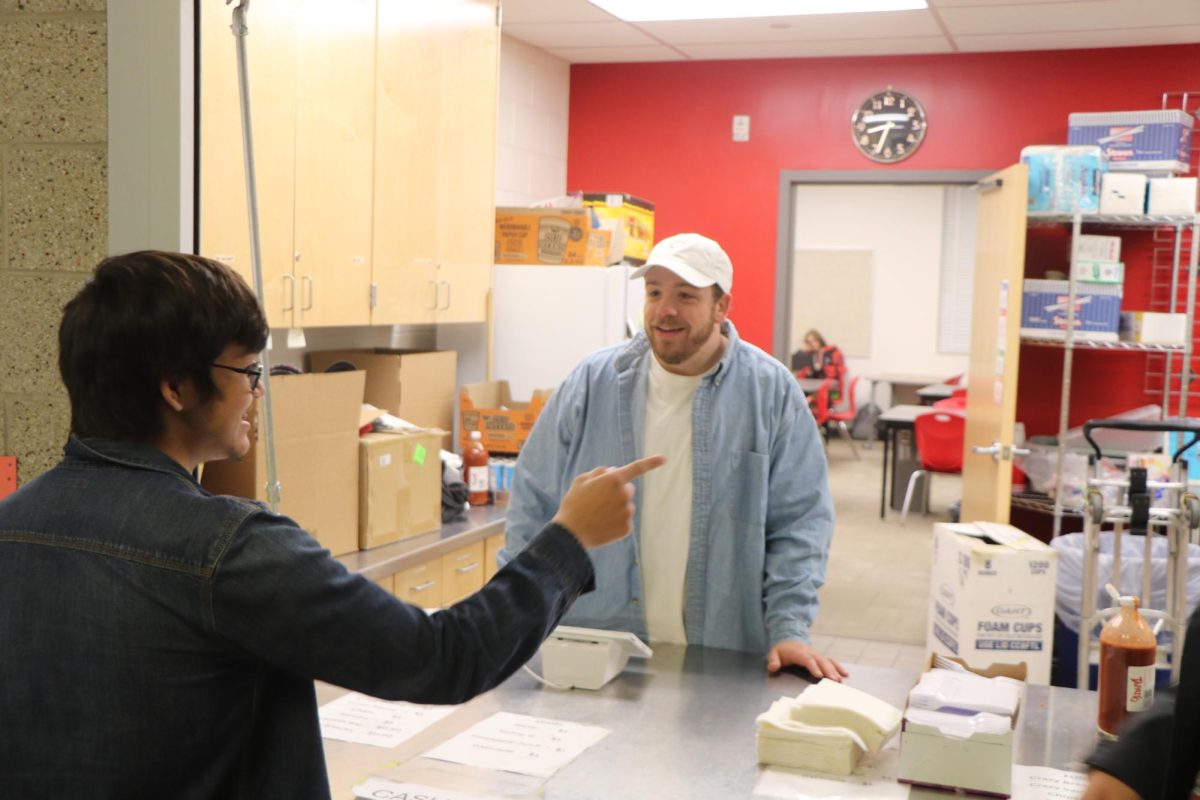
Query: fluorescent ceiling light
667, 10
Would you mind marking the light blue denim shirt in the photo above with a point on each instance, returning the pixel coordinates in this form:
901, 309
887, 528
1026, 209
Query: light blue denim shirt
762, 516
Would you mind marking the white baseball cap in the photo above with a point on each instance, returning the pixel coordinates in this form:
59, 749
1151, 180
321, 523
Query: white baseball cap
697, 259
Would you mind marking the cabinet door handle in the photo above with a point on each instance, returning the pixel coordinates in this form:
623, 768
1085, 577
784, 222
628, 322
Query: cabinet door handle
311, 292
421, 587
467, 568
290, 293
436, 292
447, 285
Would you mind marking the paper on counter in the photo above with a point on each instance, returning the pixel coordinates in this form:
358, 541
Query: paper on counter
1046, 783
517, 743
873, 779
354, 717
378, 788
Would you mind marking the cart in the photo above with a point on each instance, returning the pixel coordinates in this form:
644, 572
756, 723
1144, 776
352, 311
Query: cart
1176, 520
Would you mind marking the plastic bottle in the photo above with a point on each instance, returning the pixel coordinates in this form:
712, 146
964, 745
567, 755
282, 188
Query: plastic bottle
475, 470
1127, 655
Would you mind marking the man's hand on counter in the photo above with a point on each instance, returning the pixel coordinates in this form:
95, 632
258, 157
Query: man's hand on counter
598, 508
804, 655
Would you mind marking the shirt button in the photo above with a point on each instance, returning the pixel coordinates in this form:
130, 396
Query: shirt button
634, 601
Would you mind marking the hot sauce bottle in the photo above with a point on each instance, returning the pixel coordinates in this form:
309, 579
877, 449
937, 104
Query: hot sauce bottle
475, 470
1127, 655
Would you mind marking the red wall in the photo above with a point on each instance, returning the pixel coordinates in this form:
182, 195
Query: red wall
662, 131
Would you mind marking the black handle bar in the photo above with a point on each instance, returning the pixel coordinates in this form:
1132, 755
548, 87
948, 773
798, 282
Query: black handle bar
1152, 426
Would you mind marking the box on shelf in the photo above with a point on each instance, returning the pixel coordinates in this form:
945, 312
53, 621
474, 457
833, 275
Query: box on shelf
489, 408
415, 385
1152, 327
1063, 179
1044, 306
635, 214
1145, 141
992, 596
316, 456
557, 236
1172, 196
1091, 247
979, 764
400, 486
1123, 193
1100, 271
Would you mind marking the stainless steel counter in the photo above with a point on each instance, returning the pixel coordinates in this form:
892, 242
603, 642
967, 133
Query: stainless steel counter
379, 562
683, 726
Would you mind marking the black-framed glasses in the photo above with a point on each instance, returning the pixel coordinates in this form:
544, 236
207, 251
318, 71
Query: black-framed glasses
254, 372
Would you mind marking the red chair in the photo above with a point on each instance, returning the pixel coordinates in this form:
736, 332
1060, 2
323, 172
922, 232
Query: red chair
818, 401
952, 403
939, 440
841, 417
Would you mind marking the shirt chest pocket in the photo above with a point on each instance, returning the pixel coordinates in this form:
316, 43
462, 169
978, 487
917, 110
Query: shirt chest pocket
747, 487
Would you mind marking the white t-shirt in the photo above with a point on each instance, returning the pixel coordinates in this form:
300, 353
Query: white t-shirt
666, 501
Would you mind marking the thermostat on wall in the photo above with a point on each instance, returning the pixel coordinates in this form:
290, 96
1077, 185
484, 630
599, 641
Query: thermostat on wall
588, 658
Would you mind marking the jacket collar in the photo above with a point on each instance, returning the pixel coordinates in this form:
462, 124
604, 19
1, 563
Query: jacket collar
639, 347
124, 453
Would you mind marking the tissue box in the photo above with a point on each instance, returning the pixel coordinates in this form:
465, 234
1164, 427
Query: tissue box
992, 596
1123, 193
1097, 310
1100, 271
1172, 196
1139, 141
1090, 247
1152, 327
980, 764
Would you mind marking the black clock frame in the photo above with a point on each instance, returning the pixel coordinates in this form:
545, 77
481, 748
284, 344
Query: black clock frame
909, 141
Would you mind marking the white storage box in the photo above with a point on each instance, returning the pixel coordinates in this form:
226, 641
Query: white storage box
1090, 247
1172, 196
1138, 141
1045, 303
1123, 193
1100, 271
1151, 327
992, 596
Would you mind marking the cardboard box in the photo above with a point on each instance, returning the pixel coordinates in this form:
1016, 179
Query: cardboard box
1100, 271
636, 216
992, 596
1172, 196
316, 456
1152, 327
1044, 305
557, 236
415, 385
1138, 141
1063, 179
979, 764
1090, 247
489, 408
400, 486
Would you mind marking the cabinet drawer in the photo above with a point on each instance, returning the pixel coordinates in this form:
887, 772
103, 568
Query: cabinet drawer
388, 584
492, 547
421, 585
462, 573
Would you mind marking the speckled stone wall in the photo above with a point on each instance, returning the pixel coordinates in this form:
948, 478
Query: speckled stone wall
53, 206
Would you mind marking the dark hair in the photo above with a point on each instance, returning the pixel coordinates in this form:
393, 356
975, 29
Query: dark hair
718, 292
143, 318
813, 332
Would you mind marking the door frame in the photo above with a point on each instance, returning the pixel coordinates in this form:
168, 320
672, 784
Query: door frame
785, 241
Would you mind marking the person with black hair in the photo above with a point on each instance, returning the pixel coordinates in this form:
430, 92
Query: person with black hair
159, 641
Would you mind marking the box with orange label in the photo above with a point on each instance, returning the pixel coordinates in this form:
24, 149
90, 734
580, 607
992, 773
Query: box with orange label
489, 408
557, 236
637, 216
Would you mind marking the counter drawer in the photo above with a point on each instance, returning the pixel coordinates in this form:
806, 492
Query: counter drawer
421, 585
462, 573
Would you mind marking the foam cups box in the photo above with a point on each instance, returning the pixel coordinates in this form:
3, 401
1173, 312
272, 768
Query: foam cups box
1172, 196
1090, 247
992, 596
1122, 193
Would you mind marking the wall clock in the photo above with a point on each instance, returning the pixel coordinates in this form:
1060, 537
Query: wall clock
888, 126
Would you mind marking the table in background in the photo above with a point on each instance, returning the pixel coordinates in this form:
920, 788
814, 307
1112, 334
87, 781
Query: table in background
896, 418
901, 383
928, 395
686, 717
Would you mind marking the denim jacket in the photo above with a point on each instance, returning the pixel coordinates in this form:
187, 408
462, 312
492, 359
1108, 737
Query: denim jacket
762, 516
157, 641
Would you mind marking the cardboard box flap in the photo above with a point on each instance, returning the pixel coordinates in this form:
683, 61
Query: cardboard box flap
996, 535
311, 408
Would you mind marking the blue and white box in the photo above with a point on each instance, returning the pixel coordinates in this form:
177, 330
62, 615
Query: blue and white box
1044, 306
1063, 179
1137, 141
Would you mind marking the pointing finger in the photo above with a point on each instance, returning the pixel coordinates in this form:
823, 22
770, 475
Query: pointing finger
635, 469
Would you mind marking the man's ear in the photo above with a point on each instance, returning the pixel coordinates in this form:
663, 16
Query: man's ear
171, 393
722, 306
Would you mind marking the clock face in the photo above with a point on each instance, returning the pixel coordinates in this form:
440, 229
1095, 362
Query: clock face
888, 126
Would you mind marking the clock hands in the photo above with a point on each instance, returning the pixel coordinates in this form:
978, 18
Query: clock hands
886, 128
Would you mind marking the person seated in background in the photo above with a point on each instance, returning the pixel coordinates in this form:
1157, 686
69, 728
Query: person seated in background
167, 639
820, 360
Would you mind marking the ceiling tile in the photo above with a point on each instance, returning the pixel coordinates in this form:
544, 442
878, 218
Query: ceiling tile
605, 55
579, 34
1059, 40
857, 47
800, 28
1078, 16
526, 11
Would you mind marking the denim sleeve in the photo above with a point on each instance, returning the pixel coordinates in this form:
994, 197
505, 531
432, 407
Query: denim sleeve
799, 523
539, 476
278, 595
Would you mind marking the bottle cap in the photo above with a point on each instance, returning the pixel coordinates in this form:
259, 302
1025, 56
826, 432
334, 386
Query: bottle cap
476, 436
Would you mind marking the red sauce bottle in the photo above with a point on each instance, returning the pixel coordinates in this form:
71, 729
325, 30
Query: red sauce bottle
475, 470
1127, 656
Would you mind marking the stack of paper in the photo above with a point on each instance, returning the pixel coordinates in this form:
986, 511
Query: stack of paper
965, 693
827, 728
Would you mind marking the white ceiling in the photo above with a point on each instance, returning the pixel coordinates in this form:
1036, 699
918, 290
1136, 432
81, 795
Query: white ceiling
579, 32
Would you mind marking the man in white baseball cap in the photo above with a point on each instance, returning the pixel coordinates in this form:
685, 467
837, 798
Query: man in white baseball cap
732, 534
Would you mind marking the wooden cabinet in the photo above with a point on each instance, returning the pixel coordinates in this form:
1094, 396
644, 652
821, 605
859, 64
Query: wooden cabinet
374, 131
491, 549
435, 142
462, 573
421, 585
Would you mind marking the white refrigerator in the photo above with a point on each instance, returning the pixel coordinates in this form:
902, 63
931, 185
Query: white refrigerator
545, 320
